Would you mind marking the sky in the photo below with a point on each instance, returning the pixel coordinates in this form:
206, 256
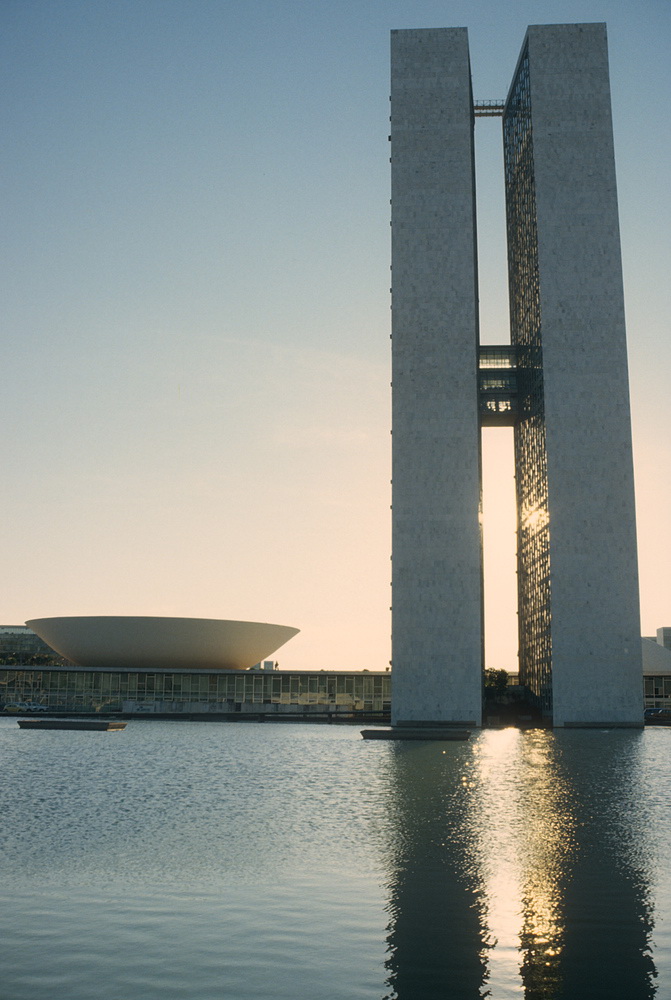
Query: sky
195, 389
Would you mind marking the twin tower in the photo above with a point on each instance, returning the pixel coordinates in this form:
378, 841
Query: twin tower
561, 383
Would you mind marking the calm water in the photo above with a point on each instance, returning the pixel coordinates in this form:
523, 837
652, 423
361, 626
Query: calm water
189, 861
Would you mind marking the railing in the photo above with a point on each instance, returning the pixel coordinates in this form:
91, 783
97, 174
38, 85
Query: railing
488, 109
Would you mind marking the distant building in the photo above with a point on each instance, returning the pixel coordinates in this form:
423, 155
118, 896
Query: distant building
20, 645
197, 692
664, 637
657, 669
174, 666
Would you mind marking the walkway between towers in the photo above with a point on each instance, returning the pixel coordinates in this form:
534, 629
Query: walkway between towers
498, 389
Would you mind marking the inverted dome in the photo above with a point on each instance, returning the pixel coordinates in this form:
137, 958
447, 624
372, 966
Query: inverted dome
161, 643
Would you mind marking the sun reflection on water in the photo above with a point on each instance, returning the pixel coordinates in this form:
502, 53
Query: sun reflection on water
520, 865
547, 834
546, 842
524, 823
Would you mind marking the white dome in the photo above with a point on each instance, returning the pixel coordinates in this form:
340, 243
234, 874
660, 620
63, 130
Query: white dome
161, 643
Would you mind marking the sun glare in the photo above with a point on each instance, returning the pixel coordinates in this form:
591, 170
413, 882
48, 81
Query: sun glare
499, 539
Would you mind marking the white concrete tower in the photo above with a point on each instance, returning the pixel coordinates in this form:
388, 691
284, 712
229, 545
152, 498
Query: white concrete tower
436, 571
580, 649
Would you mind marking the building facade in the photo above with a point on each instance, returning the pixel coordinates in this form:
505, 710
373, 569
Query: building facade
664, 637
436, 561
189, 692
20, 645
657, 670
562, 383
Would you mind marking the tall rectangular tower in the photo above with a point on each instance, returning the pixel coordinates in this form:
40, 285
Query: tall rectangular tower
436, 564
565, 386
578, 584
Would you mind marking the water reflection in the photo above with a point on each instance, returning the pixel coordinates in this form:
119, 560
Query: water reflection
520, 867
607, 891
523, 815
436, 935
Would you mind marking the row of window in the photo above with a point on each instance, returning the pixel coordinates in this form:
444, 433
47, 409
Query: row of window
65, 688
86, 689
657, 687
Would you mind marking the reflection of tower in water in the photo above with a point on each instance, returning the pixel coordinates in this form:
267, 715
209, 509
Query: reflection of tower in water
436, 936
519, 865
563, 858
523, 821
608, 898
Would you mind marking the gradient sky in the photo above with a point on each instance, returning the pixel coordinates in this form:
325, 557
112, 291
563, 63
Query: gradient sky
195, 390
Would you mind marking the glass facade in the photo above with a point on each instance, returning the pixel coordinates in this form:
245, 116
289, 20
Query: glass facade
657, 691
533, 533
20, 645
82, 690
497, 385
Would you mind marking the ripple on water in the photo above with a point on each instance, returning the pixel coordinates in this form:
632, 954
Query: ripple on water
195, 861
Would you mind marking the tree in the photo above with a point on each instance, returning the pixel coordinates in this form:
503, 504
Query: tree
496, 682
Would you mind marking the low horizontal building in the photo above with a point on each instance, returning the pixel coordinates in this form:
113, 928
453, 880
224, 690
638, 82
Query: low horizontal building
65, 687
187, 692
175, 667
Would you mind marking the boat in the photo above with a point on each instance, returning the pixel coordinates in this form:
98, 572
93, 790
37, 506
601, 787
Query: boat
96, 725
407, 733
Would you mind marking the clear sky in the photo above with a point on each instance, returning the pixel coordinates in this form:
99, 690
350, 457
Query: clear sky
195, 388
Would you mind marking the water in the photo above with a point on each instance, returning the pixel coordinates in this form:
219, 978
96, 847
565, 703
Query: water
210, 861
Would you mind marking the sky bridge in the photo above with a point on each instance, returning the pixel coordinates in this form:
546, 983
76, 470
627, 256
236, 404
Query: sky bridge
489, 109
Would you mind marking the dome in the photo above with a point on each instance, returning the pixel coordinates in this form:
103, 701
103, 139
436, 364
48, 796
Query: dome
161, 643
